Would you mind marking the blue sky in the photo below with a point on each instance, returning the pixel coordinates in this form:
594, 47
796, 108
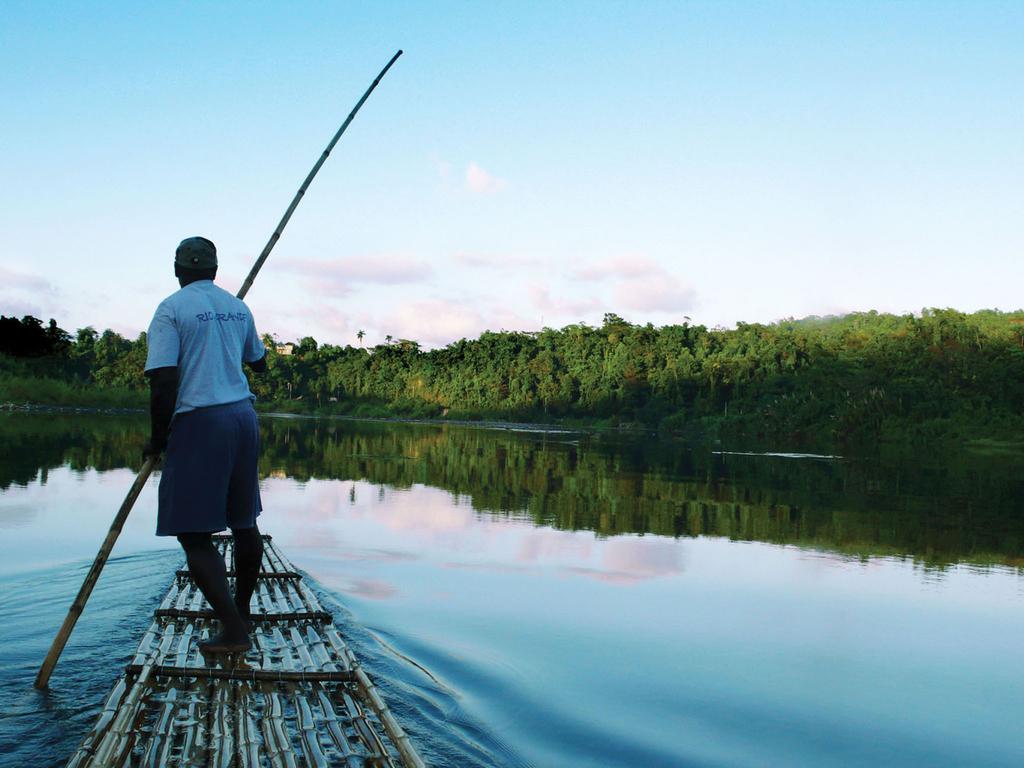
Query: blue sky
523, 164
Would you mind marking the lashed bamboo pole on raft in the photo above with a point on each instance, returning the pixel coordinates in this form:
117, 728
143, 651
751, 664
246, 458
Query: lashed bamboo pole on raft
57, 647
297, 699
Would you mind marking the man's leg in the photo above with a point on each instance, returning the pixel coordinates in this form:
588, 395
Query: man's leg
248, 556
206, 566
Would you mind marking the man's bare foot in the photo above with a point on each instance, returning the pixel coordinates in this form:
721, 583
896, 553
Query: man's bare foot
223, 643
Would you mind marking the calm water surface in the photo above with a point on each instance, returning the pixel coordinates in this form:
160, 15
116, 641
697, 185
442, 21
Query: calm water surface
568, 600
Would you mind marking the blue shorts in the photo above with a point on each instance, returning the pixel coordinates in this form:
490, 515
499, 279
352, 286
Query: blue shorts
209, 479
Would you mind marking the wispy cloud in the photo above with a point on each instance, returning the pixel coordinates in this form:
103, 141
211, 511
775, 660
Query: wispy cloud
627, 266
15, 307
541, 298
291, 322
660, 293
639, 283
495, 261
433, 321
437, 322
336, 276
25, 293
25, 281
442, 167
480, 182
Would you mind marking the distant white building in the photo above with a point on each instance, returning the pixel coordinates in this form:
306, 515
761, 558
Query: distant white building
285, 349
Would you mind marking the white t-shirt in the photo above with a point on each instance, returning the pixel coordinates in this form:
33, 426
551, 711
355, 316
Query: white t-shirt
206, 333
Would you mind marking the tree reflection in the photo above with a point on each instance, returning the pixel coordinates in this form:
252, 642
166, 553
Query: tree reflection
959, 510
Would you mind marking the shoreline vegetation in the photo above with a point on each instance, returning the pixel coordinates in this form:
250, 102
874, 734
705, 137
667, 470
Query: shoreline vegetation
941, 377
45, 408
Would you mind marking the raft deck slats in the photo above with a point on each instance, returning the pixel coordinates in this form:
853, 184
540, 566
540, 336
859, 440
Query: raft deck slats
298, 699
176, 613
290, 575
236, 673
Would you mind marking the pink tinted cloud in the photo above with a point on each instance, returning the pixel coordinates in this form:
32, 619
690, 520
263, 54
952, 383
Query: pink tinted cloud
25, 293
541, 298
443, 168
640, 283
662, 293
289, 323
16, 307
338, 275
480, 182
437, 322
25, 281
626, 266
495, 261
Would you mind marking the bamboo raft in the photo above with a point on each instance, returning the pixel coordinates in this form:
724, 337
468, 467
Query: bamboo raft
298, 698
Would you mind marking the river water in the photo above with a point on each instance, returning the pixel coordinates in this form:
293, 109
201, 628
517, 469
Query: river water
529, 599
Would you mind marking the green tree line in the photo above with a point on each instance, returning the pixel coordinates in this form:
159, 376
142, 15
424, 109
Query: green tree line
941, 373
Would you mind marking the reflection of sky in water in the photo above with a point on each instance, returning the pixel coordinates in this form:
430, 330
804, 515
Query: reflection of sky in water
629, 650
353, 521
16, 515
362, 521
687, 636
69, 515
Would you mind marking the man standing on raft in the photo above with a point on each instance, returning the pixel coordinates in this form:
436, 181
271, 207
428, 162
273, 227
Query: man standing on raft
198, 340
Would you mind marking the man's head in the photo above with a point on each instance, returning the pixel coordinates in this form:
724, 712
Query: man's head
195, 259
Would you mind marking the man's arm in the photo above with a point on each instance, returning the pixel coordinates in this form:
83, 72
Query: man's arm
163, 396
163, 346
254, 354
258, 366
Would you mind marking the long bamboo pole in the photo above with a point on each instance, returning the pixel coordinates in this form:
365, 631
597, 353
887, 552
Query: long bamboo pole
43, 678
305, 185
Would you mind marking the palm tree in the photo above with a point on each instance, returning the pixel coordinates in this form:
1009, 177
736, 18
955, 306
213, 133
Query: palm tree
388, 338
359, 335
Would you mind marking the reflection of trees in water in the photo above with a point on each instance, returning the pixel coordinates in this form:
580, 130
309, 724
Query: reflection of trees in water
942, 515
31, 444
955, 511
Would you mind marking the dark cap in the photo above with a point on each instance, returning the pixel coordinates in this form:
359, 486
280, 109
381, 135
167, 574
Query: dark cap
196, 253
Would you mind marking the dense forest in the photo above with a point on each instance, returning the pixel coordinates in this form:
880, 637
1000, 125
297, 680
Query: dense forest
940, 374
